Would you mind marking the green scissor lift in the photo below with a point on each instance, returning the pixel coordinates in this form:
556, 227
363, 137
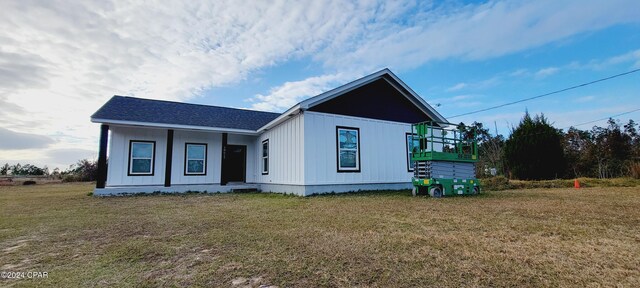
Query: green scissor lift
443, 160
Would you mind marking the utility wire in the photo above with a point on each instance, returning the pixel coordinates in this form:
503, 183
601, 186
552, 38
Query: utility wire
547, 94
605, 118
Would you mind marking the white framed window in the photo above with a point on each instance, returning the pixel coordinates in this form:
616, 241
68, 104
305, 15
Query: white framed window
413, 142
348, 149
141, 157
195, 159
265, 157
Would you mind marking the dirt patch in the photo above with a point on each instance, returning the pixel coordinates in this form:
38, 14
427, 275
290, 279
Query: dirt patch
256, 281
15, 245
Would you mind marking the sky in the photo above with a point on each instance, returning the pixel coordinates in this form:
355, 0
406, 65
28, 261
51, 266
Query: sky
61, 60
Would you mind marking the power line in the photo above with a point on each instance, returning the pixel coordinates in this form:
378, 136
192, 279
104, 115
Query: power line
604, 118
547, 94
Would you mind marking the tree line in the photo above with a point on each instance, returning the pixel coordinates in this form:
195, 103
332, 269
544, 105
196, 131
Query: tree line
83, 170
536, 150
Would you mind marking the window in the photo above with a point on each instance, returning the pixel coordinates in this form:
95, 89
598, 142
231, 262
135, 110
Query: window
348, 149
413, 142
141, 157
195, 159
265, 157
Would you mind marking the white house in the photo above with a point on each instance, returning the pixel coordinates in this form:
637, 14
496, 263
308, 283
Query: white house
354, 137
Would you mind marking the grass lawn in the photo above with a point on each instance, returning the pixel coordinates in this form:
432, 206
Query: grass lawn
534, 237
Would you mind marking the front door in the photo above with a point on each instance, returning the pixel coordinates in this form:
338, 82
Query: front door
235, 163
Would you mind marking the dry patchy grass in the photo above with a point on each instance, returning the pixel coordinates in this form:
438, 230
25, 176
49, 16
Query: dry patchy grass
535, 237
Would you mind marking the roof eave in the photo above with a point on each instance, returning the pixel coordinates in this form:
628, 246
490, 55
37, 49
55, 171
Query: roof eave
283, 117
174, 126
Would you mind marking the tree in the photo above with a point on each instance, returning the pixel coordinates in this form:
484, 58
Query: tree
86, 170
577, 146
4, 170
612, 150
534, 150
489, 147
16, 169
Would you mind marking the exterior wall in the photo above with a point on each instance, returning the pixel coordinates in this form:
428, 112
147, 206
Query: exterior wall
214, 156
286, 153
383, 155
119, 156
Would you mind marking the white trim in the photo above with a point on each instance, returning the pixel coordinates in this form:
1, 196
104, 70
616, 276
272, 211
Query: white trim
360, 118
265, 168
342, 168
417, 97
338, 91
185, 127
151, 159
203, 159
283, 117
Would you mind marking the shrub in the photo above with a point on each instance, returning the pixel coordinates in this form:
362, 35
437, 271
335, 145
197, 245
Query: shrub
495, 183
70, 178
29, 182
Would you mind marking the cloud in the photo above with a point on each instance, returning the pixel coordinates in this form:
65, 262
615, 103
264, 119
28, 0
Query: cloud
290, 93
547, 72
519, 72
585, 99
456, 87
63, 157
477, 32
631, 56
12, 140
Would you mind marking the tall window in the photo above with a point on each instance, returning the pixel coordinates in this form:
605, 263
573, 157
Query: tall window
265, 157
413, 142
348, 149
195, 157
141, 157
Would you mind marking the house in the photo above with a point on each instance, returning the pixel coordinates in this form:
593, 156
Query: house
354, 137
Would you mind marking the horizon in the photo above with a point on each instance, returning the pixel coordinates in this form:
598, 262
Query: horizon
62, 61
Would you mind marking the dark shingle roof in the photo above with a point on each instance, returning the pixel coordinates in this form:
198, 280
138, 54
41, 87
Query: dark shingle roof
121, 108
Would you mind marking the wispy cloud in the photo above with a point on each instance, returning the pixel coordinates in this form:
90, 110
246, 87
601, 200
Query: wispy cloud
585, 99
456, 87
288, 94
12, 140
546, 72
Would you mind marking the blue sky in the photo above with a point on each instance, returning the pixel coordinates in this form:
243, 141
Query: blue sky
62, 60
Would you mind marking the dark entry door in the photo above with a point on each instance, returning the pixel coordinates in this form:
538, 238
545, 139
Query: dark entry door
235, 162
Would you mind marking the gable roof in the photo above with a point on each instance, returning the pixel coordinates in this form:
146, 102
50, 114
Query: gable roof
384, 74
138, 111
157, 113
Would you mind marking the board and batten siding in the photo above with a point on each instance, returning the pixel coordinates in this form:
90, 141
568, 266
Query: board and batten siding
214, 156
383, 156
286, 153
119, 156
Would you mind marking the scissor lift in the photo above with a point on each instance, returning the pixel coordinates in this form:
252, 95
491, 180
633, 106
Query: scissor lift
443, 160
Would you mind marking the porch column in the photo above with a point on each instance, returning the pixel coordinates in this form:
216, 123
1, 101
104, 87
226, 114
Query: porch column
101, 178
169, 159
223, 179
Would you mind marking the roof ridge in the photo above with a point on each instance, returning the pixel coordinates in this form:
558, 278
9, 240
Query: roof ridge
194, 104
